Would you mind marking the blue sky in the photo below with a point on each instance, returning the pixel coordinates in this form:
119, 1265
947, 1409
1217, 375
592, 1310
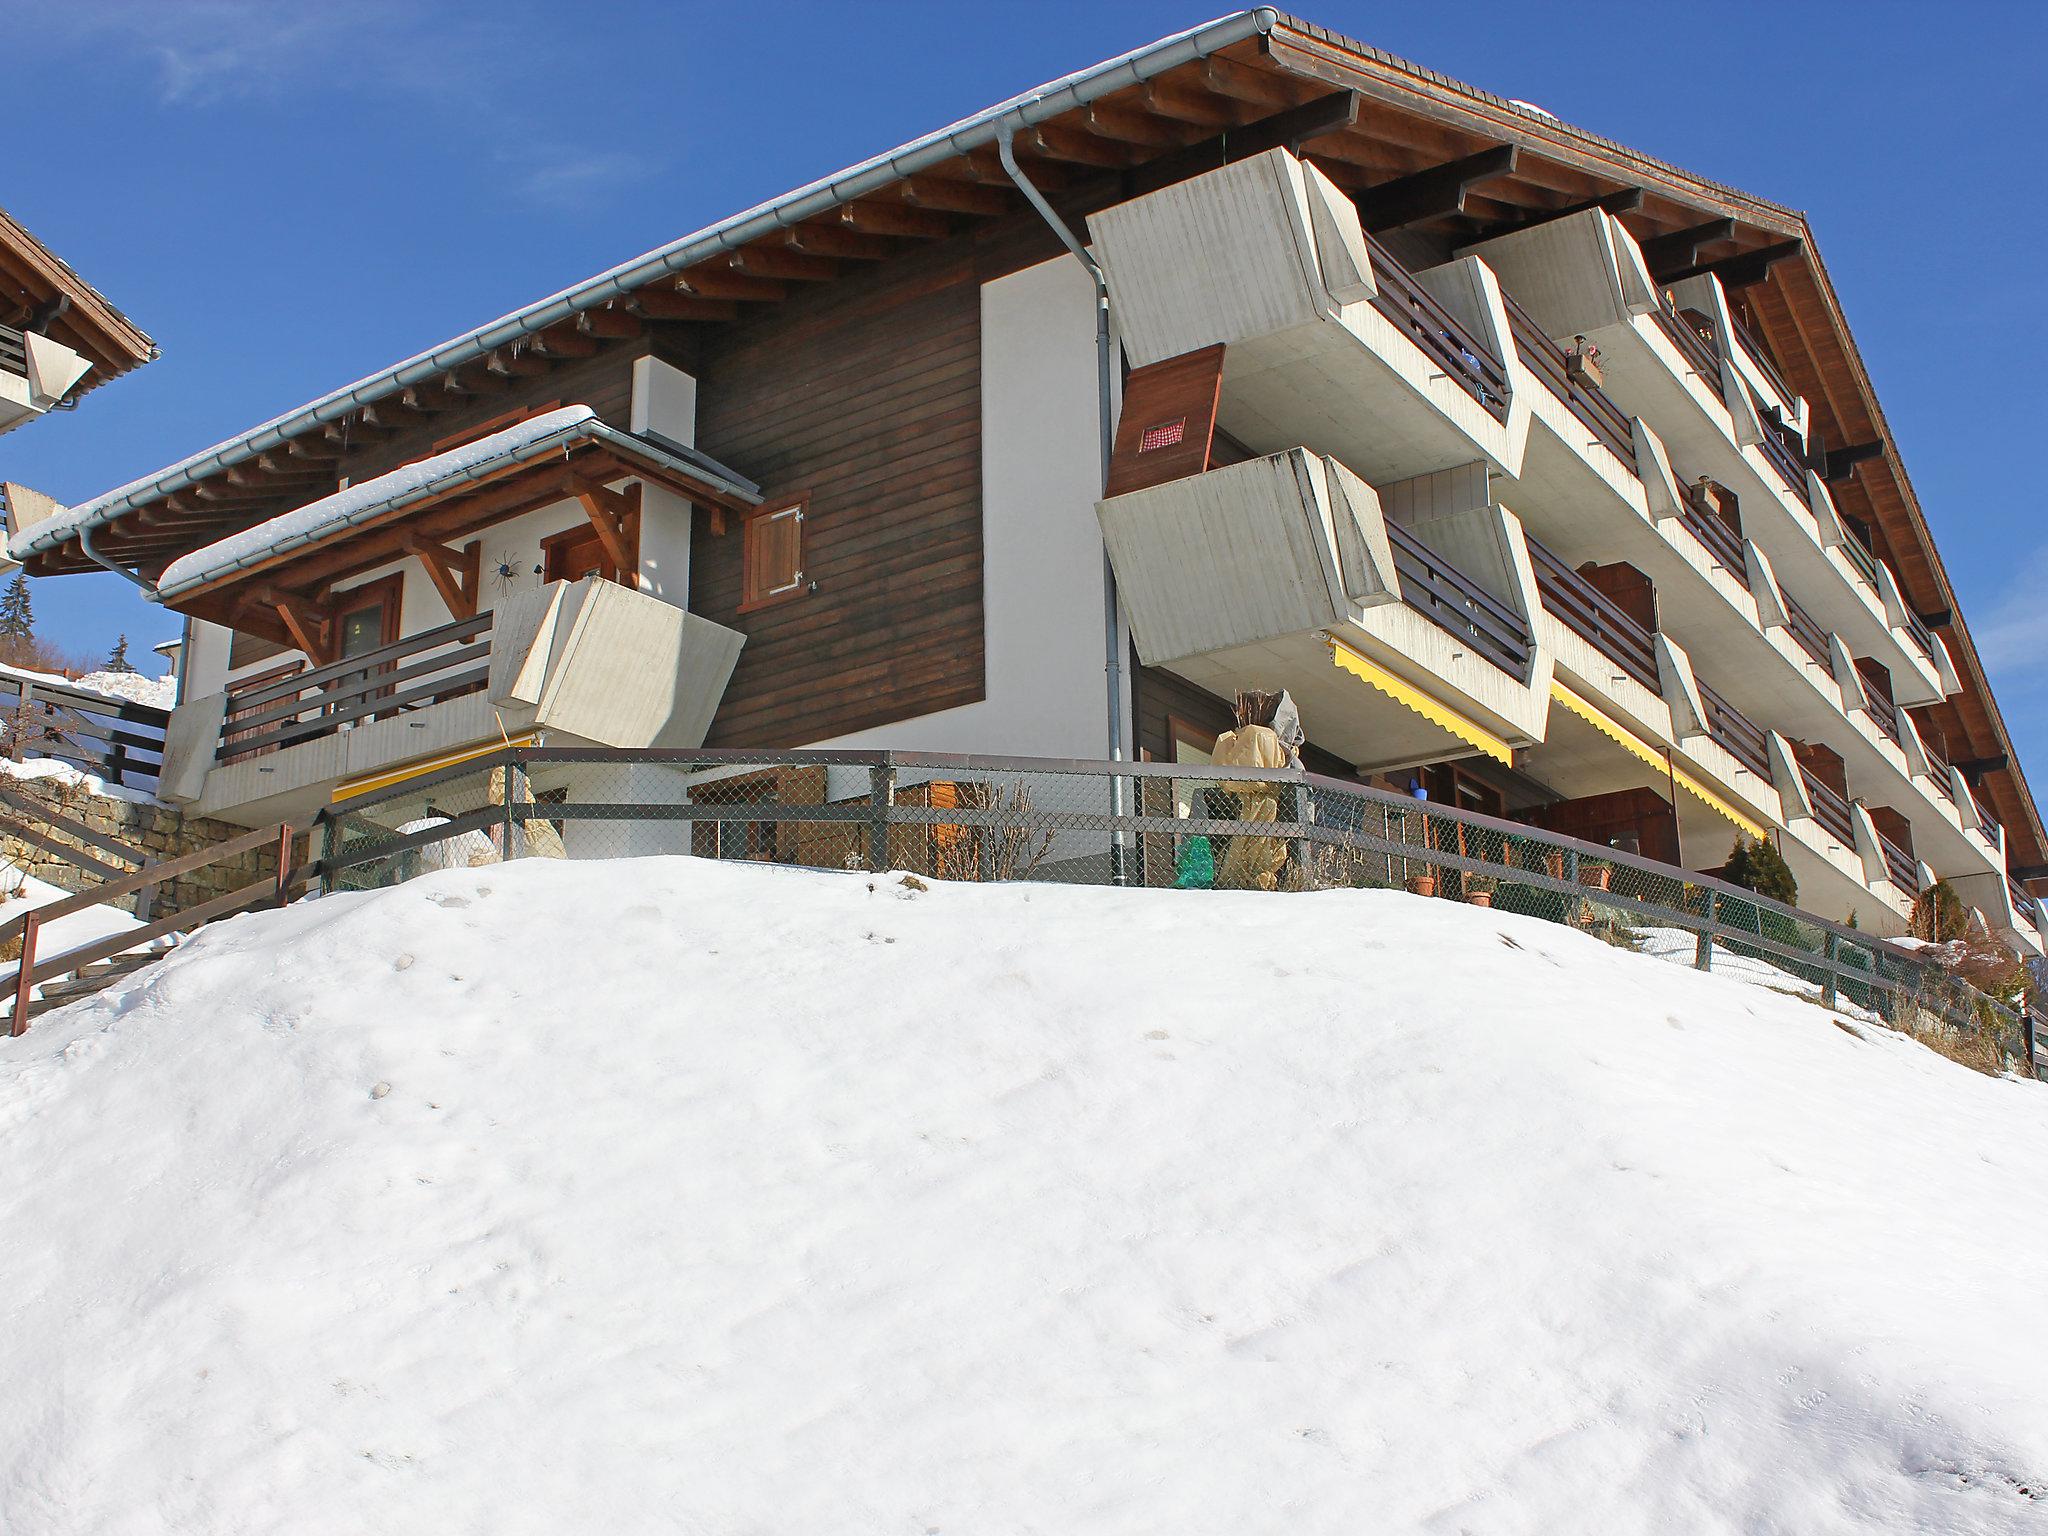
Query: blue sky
288, 195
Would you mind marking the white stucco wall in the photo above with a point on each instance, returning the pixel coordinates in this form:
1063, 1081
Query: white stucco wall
1042, 574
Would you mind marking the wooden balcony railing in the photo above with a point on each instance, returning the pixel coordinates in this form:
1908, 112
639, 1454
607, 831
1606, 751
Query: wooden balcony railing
1459, 605
1884, 712
1743, 738
1599, 415
13, 352
1778, 448
1860, 556
1922, 635
1697, 350
1900, 865
1940, 773
1806, 630
1993, 830
2023, 905
1594, 616
1757, 355
1721, 541
422, 669
1829, 808
113, 739
1433, 328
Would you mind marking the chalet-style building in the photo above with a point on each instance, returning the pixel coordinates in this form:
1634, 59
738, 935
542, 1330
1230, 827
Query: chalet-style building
59, 338
1544, 475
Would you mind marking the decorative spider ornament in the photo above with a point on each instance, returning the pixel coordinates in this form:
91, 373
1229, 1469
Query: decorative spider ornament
506, 571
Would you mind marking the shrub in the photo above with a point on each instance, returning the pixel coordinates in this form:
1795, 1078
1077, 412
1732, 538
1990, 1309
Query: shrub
1939, 915
1758, 866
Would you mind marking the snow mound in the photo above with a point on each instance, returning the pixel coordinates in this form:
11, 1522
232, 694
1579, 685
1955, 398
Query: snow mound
159, 692
683, 1196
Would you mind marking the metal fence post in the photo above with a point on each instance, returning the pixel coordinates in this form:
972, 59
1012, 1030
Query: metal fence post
1830, 949
1119, 850
284, 862
881, 796
1703, 957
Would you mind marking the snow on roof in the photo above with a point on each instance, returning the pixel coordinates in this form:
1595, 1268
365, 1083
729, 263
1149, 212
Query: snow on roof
729, 233
785, 1200
367, 498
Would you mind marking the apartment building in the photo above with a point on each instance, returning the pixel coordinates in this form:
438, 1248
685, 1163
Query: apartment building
1545, 476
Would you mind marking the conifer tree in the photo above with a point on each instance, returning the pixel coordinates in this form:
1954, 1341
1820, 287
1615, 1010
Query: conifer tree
1758, 866
17, 612
118, 661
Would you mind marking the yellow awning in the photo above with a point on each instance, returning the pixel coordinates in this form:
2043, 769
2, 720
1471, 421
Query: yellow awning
1630, 742
1404, 692
387, 777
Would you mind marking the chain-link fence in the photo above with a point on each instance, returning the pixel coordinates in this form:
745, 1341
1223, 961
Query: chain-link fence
1141, 824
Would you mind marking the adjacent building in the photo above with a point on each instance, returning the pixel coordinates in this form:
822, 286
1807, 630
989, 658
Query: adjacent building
1545, 475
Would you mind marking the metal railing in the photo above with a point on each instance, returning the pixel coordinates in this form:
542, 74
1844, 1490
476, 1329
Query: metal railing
1806, 630
1697, 350
1586, 400
1744, 739
1435, 588
1151, 824
1594, 616
1434, 329
422, 669
116, 740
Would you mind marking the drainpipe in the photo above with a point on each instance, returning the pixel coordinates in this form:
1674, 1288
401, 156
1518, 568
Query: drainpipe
1112, 622
85, 543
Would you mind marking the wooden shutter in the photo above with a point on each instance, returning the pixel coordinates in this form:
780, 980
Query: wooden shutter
774, 555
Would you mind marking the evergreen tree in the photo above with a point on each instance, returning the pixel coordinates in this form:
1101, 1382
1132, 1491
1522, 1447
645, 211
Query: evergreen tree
1758, 866
118, 661
17, 613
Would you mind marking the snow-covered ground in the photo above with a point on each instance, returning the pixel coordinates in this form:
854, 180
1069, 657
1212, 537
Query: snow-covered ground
684, 1197
74, 930
133, 686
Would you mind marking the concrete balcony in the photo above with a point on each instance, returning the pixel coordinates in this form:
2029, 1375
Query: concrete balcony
35, 374
1710, 408
1402, 643
1329, 342
588, 662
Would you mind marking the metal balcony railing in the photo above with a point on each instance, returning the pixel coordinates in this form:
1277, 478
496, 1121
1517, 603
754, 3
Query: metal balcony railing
1434, 329
1594, 616
434, 665
1459, 605
1599, 415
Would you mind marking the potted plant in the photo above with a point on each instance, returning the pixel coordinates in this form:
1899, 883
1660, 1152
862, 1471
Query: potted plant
1422, 884
1582, 363
1596, 875
1479, 889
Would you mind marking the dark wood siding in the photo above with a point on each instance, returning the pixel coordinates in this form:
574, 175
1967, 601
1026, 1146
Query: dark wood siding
864, 396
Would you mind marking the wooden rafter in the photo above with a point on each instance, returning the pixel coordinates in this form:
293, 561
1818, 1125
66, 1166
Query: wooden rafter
899, 219
455, 573
782, 263
310, 626
720, 282
1436, 193
608, 510
660, 304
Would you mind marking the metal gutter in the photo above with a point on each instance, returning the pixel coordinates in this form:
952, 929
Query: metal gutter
978, 132
695, 465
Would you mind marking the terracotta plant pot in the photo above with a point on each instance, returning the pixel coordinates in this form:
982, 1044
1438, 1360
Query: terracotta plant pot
1422, 885
1598, 877
1480, 898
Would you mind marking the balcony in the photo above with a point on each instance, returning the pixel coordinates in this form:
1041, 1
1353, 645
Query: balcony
1588, 402
1404, 643
1590, 614
590, 661
35, 374
1425, 321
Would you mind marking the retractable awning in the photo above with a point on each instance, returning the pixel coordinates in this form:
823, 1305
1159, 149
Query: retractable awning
1635, 746
1403, 692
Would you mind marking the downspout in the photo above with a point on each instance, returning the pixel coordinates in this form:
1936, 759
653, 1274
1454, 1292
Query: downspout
85, 543
1112, 624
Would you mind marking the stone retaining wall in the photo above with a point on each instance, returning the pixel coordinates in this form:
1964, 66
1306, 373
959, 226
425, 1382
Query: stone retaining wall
159, 832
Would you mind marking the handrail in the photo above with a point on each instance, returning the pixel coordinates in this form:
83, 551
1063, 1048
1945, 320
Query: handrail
2023, 903
299, 682
1587, 401
116, 739
1829, 808
31, 969
1900, 865
1806, 630
1729, 726
1692, 346
13, 351
1718, 539
1762, 359
1590, 613
1884, 712
1436, 330
1922, 635
1784, 459
1859, 554
1458, 604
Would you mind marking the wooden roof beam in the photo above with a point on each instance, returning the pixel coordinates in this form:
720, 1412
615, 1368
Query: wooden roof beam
1742, 270
1128, 127
1187, 103
896, 219
661, 304
565, 341
1293, 129
711, 282
943, 196
1667, 255
610, 323
1241, 82
784, 264
1627, 200
837, 242
1435, 193
1060, 143
1842, 462
510, 364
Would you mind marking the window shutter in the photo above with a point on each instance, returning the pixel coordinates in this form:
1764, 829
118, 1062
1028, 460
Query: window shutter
775, 553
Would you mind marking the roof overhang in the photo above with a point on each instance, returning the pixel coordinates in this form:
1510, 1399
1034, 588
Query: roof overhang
39, 292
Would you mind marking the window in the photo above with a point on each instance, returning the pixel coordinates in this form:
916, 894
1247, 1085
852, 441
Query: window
576, 552
772, 556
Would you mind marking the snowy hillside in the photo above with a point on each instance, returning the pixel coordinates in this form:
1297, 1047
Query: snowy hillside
676, 1196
